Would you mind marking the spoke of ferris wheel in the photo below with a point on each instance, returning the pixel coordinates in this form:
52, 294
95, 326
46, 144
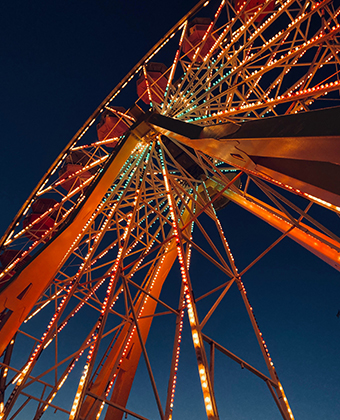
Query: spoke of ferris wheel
303, 82
174, 66
320, 89
291, 54
188, 74
225, 52
202, 43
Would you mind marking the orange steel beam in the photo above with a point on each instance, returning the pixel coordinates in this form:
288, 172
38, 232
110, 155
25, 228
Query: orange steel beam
298, 152
19, 297
320, 245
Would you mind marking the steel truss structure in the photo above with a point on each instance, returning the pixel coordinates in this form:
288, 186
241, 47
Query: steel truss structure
244, 119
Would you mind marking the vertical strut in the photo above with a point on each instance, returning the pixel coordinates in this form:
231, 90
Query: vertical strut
175, 356
203, 368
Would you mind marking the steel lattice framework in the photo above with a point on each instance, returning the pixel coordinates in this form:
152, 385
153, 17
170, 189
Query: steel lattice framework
243, 118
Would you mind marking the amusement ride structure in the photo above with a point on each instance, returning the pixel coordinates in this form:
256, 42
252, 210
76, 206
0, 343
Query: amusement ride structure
235, 105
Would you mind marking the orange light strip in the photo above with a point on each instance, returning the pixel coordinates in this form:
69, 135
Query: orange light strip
315, 245
209, 402
65, 376
122, 114
174, 64
269, 63
147, 84
44, 341
207, 32
174, 377
272, 102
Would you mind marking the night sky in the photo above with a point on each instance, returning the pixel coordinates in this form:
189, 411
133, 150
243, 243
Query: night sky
59, 59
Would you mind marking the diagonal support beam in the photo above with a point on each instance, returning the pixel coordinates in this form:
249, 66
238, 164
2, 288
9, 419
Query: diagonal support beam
241, 362
298, 150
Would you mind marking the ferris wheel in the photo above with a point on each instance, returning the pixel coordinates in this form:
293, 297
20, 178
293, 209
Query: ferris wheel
116, 271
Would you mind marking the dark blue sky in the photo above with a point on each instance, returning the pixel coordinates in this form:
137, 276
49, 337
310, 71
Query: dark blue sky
59, 59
